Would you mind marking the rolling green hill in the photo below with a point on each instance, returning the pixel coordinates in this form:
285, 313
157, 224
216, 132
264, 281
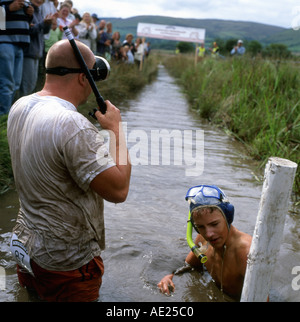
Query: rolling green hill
289, 37
215, 28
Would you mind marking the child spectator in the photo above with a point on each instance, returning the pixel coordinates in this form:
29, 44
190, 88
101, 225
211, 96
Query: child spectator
127, 55
128, 42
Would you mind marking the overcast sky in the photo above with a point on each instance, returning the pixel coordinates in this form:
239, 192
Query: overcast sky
283, 13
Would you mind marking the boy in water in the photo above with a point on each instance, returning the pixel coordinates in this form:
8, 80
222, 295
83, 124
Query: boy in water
211, 216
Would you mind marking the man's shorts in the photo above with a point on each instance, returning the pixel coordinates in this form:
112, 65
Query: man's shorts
79, 285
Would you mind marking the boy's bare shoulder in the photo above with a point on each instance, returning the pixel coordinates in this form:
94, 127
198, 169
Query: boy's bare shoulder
242, 244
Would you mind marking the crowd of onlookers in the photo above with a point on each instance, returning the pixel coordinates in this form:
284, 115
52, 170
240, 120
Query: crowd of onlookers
33, 27
96, 33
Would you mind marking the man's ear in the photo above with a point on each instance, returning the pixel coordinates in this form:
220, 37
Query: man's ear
82, 78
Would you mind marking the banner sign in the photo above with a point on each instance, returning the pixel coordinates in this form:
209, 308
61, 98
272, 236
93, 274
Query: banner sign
177, 33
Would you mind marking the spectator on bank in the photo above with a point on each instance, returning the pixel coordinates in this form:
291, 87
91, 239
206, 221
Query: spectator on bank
49, 7
238, 50
104, 42
46, 9
64, 21
12, 42
109, 33
201, 51
129, 42
100, 31
55, 35
34, 52
73, 11
215, 51
101, 27
139, 51
128, 58
116, 46
147, 48
87, 30
95, 19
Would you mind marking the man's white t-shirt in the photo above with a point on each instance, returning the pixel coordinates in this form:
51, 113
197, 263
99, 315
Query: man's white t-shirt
56, 152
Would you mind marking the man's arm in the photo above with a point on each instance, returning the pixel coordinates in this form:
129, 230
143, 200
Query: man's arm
113, 183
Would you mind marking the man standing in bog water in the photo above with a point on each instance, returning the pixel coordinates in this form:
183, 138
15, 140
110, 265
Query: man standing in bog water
63, 171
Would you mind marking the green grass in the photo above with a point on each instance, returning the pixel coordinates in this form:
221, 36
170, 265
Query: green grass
256, 100
6, 175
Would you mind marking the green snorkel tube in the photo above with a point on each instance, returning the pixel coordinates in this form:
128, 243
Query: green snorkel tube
195, 249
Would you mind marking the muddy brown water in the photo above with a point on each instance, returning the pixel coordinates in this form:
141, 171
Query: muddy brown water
145, 236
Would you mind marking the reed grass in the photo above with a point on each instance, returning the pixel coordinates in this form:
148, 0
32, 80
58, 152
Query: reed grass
256, 100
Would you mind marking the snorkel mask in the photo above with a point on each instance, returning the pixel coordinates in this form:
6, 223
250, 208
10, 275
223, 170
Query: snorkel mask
99, 72
200, 197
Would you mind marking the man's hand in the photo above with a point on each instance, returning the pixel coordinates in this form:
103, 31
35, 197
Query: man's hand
113, 183
16, 5
48, 19
29, 10
111, 119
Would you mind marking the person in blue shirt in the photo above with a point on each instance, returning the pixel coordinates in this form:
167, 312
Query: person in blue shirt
238, 50
34, 52
13, 39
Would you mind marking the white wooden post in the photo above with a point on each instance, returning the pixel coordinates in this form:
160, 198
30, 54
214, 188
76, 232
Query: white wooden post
267, 237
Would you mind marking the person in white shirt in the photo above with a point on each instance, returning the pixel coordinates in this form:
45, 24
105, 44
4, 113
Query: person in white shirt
238, 50
63, 171
139, 53
64, 21
87, 30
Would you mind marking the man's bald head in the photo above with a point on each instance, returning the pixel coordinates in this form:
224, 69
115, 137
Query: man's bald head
61, 54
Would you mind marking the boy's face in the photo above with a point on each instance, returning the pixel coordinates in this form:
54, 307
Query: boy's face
212, 226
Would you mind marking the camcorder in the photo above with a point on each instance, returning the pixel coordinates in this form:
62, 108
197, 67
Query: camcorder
26, 4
